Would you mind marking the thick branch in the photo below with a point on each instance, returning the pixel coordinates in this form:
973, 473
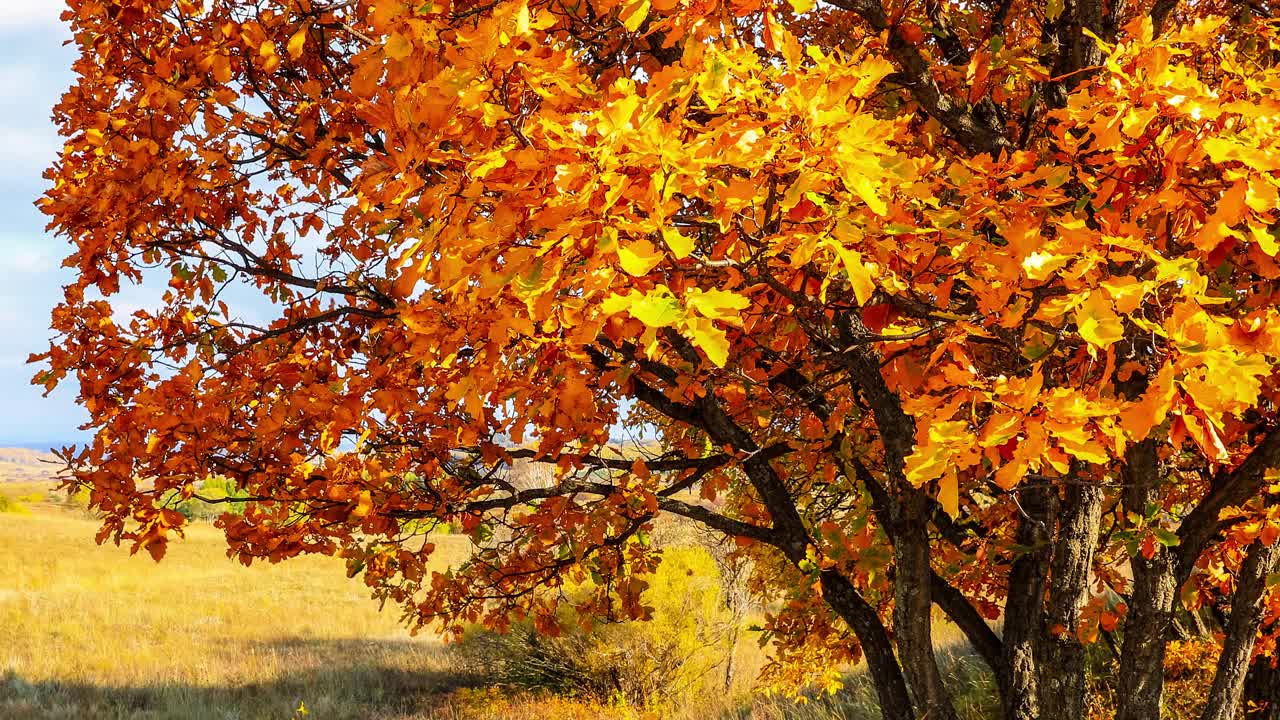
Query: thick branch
977, 135
1230, 488
1242, 631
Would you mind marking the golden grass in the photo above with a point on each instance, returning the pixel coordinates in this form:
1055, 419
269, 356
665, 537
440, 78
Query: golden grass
92, 632
88, 632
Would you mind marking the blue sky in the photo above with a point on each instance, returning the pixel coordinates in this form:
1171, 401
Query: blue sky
34, 71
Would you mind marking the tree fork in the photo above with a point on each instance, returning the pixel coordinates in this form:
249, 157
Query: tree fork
1150, 615
1062, 672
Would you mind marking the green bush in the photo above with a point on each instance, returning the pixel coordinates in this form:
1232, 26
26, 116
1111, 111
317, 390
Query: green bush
636, 663
213, 488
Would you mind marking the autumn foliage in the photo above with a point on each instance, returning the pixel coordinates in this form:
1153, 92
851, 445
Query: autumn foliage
971, 305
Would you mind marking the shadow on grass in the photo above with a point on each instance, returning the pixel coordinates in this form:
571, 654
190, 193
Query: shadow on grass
342, 679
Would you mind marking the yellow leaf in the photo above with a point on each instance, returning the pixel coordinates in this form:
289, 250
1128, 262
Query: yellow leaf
1266, 242
657, 308
639, 257
709, 338
680, 245
633, 14
949, 493
716, 304
618, 114
398, 47
802, 6
872, 71
865, 189
1098, 324
861, 275
296, 42
364, 504
522, 19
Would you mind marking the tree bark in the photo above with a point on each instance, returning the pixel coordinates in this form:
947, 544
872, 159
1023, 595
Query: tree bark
913, 610
1242, 630
891, 689
1024, 607
907, 522
1150, 614
1262, 691
1062, 673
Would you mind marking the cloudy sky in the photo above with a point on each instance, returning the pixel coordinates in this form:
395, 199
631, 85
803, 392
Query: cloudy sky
34, 71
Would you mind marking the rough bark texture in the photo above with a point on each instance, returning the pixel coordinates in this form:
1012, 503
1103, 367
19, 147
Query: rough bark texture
1262, 691
1242, 629
891, 690
1148, 621
913, 612
1024, 613
907, 521
1062, 672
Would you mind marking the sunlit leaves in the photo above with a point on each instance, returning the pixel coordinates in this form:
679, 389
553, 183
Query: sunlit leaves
1097, 322
452, 235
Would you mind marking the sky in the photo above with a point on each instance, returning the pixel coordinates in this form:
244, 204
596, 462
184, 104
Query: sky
35, 68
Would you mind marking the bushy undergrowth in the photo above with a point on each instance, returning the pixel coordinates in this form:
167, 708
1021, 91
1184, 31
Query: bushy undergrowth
633, 663
10, 505
213, 488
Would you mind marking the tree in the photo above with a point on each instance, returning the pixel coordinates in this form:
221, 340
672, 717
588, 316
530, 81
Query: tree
966, 304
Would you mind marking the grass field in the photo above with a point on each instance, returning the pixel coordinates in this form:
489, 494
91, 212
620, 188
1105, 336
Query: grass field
91, 632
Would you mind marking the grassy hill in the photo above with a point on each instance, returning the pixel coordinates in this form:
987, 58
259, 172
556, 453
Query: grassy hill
23, 465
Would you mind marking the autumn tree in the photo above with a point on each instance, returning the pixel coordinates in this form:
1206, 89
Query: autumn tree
960, 304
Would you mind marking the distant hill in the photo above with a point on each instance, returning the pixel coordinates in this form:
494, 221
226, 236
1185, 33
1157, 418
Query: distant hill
26, 465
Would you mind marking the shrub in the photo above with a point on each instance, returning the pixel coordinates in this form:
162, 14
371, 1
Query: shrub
213, 488
634, 663
9, 505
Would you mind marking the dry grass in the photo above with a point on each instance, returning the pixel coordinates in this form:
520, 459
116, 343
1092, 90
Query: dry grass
20, 465
91, 632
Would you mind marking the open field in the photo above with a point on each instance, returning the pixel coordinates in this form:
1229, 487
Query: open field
20, 465
91, 632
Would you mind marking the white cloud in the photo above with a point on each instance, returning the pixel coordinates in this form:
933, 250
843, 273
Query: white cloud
25, 15
29, 260
26, 152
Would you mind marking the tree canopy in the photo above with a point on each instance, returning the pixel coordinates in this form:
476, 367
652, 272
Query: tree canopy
967, 304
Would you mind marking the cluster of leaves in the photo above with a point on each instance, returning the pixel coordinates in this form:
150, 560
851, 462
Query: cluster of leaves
958, 303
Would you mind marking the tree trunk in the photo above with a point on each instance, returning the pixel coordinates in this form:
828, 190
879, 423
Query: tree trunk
1062, 673
1242, 630
913, 609
1262, 691
1147, 625
1024, 611
886, 675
